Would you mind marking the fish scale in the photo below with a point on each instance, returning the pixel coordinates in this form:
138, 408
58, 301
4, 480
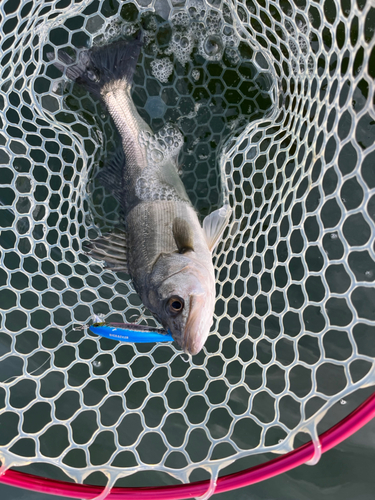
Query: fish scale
128, 123
152, 243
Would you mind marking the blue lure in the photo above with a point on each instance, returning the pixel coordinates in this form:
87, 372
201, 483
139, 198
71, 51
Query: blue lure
130, 332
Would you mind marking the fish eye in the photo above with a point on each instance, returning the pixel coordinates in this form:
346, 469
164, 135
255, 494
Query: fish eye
175, 304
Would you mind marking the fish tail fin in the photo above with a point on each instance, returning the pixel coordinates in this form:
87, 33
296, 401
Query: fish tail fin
102, 66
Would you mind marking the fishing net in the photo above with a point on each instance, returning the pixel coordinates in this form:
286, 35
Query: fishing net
275, 103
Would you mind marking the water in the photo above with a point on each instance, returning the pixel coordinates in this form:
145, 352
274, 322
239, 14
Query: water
343, 473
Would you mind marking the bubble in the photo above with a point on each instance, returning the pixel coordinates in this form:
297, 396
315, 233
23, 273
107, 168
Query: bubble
200, 28
303, 45
157, 155
212, 45
195, 74
310, 64
181, 44
293, 47
289, 26
180, 19
96, 364
343, 402
142, 182
334, 236
233, 55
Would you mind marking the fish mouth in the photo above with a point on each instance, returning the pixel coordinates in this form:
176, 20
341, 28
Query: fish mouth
193, 338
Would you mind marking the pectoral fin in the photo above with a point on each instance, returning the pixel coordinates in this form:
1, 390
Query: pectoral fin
112, 249
183, 235
214, 225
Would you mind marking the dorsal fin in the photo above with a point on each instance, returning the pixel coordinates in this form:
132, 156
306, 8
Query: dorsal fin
183, 235
214, 225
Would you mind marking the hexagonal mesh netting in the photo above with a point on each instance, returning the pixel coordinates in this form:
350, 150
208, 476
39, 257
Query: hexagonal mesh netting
275, 103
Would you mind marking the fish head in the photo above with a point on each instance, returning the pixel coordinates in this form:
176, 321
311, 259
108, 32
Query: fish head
181, 294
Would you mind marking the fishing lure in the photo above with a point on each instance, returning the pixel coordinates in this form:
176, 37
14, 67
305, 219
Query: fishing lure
130, 332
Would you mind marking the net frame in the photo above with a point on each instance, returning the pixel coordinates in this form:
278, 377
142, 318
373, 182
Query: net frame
302, 455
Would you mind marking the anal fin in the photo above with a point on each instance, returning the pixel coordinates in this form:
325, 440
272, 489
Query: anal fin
111, 176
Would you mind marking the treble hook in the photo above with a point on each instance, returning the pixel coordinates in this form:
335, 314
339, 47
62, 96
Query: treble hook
79, 328
139, 318
188, 359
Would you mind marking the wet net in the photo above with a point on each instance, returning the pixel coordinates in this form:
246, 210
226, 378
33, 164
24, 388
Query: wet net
275, 103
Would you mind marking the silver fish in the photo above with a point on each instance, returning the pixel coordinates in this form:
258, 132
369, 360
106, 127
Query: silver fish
163, 247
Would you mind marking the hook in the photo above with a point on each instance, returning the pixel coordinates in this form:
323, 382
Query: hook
138, 318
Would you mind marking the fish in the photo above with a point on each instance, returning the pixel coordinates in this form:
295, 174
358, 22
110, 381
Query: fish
162, 246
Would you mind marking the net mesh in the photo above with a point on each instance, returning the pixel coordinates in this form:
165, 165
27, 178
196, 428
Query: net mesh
275, 102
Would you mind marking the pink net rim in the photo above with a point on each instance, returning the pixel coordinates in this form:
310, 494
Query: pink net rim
345, 428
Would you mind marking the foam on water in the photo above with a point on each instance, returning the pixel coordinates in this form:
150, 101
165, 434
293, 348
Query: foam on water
162, 69
201, 27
